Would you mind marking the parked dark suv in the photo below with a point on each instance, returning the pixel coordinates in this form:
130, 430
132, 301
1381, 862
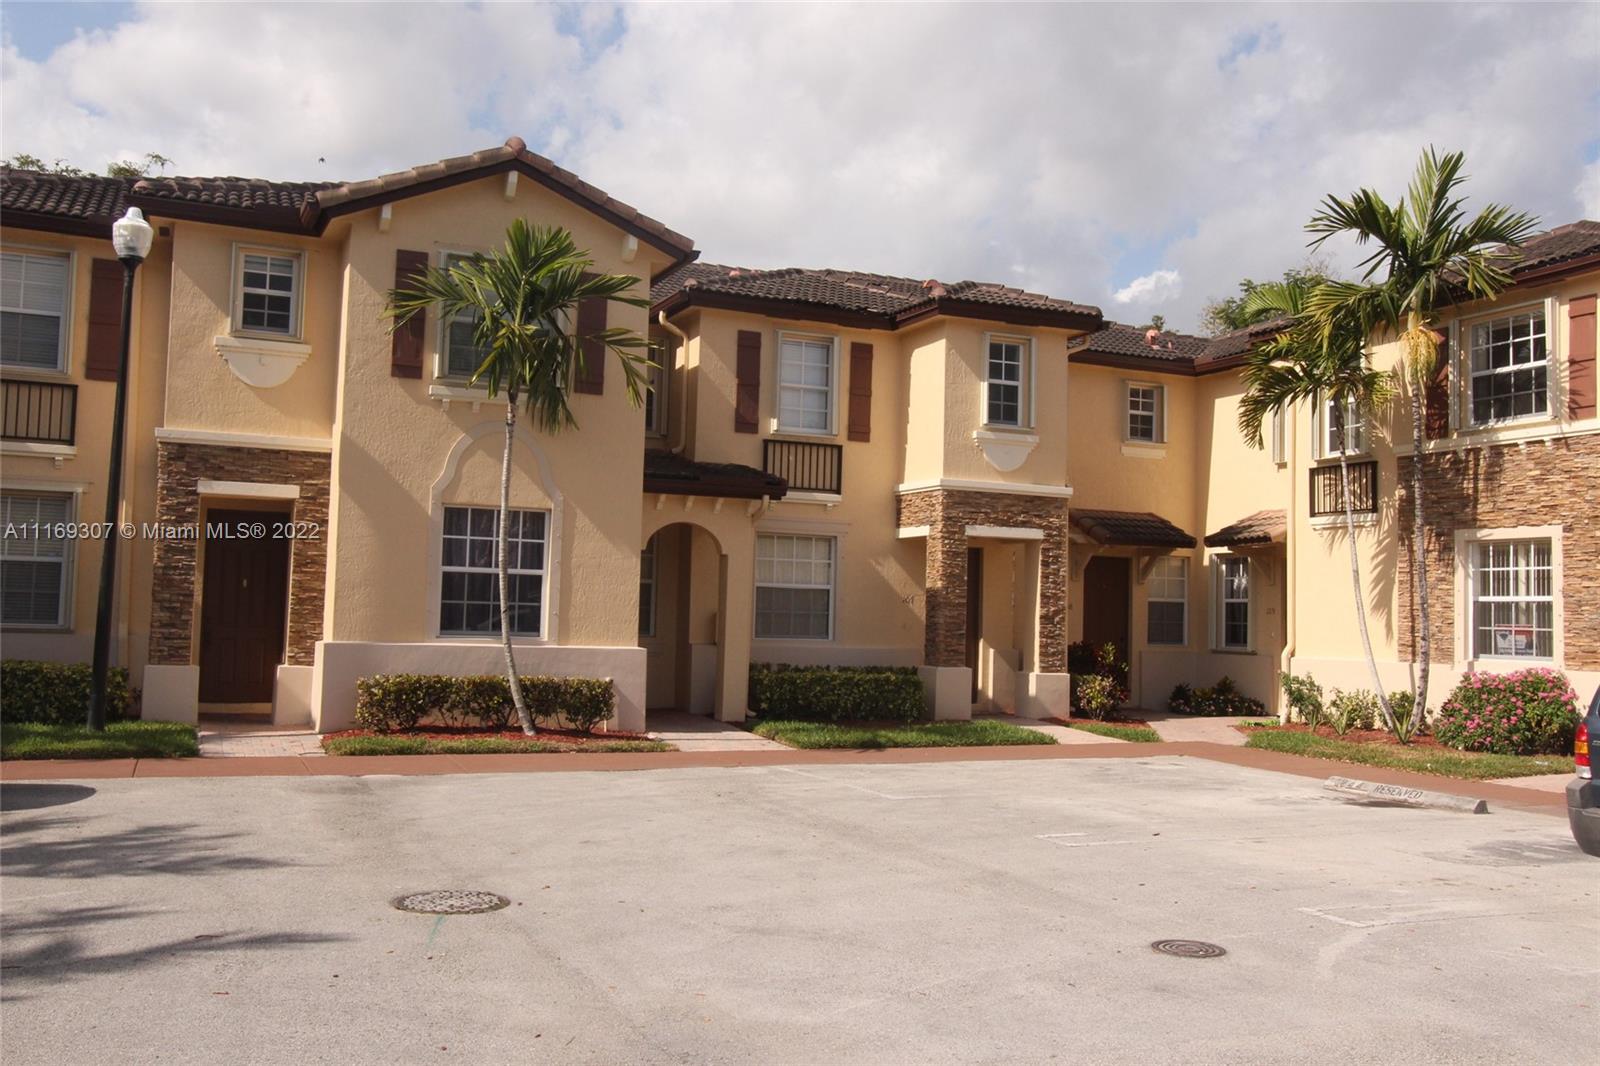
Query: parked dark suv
1583, 793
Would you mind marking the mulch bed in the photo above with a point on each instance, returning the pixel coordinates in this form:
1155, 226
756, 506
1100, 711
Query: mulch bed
439, 732
1354, 736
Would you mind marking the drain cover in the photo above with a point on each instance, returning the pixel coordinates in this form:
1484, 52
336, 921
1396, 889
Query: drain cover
1188, 949
450, 901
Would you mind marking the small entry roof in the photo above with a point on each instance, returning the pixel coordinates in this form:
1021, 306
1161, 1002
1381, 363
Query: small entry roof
1129, 529
675, 475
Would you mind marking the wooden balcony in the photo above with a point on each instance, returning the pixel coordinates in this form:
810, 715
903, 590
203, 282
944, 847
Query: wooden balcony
1327, 496
807, 466
39, 412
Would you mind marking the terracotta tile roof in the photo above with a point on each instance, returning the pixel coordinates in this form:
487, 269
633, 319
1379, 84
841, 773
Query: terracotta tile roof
878, 300
1235, 344
677, 476
1121, 341
1575, 240
239, 194
1135, 529
90, 200
1263, 527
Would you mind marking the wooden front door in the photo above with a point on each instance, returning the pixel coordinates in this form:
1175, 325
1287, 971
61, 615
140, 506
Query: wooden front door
974, 612
244, 603
1105, 603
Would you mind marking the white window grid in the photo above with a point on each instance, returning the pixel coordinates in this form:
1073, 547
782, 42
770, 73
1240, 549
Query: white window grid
1233, 583
1508, 362
469, 592
805, 384
794, 586
460, 355
34, 289
647, 589
35, 567
1144, 410
1513, 600
269, 285
1167, 592
1004, 382
1330, 443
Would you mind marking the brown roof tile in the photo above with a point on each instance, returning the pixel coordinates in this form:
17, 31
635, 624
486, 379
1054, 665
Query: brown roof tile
1263, 527
673, 474
87, 202
1575, 240
1135, 529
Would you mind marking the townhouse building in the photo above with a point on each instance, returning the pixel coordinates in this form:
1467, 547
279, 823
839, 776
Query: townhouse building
830, 467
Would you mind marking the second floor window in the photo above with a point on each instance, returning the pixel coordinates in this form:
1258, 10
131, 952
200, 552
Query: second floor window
1334, 439
459, 353
1005, 386
33, 310
655, 391
269, 290
1146, 417
805, 384
1509, 367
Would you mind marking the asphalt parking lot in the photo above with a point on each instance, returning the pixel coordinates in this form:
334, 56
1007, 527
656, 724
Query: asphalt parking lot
954, 912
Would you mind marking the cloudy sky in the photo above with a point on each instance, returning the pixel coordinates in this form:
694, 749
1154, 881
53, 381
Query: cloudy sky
1139, 157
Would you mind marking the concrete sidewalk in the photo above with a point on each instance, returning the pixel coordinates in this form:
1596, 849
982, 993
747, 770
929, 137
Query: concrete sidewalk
1185, 728
701, 732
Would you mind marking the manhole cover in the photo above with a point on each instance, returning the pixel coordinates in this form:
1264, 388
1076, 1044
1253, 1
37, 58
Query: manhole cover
450, 901
1188, 949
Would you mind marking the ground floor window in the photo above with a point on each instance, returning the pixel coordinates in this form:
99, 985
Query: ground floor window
35, 558
1233, 600
647, 589
794, 586
469, 589
1168, 600
1513, 602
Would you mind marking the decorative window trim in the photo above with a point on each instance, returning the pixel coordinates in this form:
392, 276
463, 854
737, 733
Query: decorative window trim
1460, 334
778, 424
1026, 383
796, 531
1183, 600
236, 325
543, 573
1158, 417
69, 559
63, 367
1466, 552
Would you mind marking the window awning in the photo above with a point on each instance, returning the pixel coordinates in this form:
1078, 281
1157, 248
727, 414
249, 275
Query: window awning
1263, 527
675, 475
1129, 529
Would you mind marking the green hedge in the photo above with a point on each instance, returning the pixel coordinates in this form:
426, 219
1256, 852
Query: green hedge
57, 693
392, 703
836, 693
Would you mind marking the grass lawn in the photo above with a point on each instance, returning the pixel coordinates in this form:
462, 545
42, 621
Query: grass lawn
412, 745
919, 735
121, 740
1430, 759
1139, 734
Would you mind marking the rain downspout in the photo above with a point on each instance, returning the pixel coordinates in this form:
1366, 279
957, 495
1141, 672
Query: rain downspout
1291, 444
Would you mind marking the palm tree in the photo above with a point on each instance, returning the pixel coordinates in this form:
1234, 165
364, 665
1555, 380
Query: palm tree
1426, 255
523, 302
1307, 363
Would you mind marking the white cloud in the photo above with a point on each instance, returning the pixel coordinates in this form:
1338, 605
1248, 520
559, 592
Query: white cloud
863, 137
1156, 287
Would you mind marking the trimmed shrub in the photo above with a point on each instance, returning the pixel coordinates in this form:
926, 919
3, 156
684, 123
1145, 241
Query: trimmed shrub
1528, 712
1304, 697
1095, 696
390, 703
1085, 661
1181, 700
836, 693
1219, 701
1356, 709
58, 693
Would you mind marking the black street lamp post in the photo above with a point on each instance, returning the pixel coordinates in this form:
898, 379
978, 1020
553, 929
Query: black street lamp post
131, 236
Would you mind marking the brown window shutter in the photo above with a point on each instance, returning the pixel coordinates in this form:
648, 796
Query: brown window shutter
1436, 395
591, 376
860, 391
103, 352
747, 396
1581, 369
405, 345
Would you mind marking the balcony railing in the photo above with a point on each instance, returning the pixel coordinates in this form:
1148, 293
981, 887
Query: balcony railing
1327, 495
39, 412
806, 466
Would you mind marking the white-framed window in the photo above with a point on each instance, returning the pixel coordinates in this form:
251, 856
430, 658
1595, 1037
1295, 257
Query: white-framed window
1233, 602
647, 589
1513, 599
659, 357
35, 558
807, 372
1147, 413
35, 295
1331, 441
267, 294
794, 586
1008, 371
459, 354
469, 587
1168, 596
1508, 367
1279, 437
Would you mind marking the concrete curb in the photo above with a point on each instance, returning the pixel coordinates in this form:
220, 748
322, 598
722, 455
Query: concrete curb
1376, 792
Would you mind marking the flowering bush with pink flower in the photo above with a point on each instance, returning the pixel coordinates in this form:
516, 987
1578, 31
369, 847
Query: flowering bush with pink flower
1528, 712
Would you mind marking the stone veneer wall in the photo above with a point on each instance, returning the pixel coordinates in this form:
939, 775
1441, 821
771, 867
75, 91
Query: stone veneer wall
947, 513
1501, 487
179, 467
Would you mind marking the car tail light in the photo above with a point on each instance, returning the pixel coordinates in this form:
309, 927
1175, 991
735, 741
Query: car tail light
1580, 750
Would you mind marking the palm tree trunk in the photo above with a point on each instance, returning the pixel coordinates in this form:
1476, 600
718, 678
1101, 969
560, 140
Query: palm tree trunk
502, 563
1419, 705
1355, 568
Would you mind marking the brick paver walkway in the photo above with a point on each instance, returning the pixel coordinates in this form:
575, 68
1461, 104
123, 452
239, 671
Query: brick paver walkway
231, 739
